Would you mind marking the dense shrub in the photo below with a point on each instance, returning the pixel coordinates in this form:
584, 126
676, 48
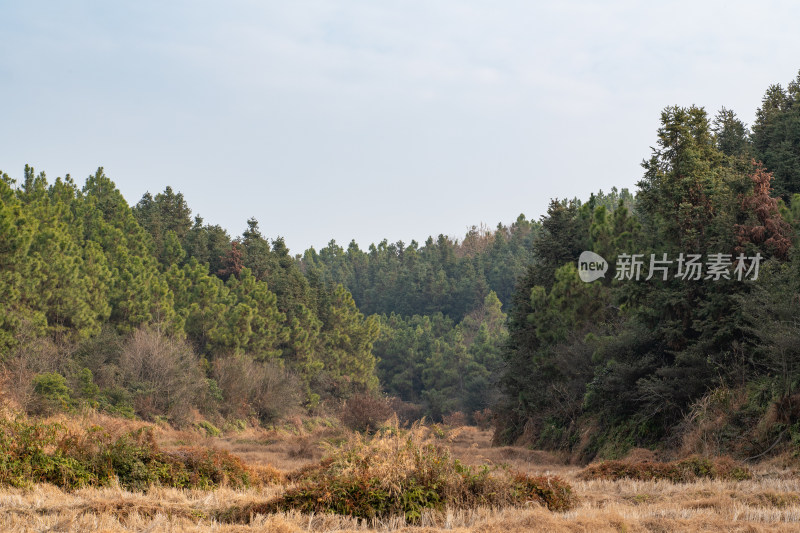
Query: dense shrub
252, 388
32, 452
484, 419
148, 374
365, 411
407, 412
100, 354
455, 419
405, 472
51, 393
163, 373
32, 357
116, 401
682, 471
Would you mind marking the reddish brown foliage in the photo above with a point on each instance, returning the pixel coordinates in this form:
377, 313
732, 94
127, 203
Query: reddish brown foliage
232, 262
456, 419
766, 227
365, 412
406, 412
484, 419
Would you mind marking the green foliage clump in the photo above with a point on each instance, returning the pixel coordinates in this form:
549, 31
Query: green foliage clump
51, 391
210, 429
29, 454
36, 452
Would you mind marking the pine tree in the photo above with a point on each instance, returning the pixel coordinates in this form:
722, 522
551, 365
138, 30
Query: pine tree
16, 282
776, 136
347, 340
267, 330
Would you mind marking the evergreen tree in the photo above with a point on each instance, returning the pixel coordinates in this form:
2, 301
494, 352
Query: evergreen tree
348, 337
776, 136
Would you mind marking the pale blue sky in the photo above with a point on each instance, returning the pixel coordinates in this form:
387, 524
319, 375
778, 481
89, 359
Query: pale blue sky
366, 119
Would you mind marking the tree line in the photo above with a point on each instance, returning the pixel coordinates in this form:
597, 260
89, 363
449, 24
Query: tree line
708, 364
78, 264
102, 301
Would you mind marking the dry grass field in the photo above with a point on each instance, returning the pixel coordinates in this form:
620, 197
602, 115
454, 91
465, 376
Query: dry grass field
769, 501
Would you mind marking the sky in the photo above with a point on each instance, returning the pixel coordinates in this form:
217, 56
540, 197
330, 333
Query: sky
368, 120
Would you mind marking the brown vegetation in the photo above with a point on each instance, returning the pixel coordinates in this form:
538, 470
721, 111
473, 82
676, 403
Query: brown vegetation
405, 472
365, 411
250, 388
681, 471
766, 502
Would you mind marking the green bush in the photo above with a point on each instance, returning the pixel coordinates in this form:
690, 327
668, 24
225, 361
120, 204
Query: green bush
210, 429
87, 389
52, 392
32, 452
116, 401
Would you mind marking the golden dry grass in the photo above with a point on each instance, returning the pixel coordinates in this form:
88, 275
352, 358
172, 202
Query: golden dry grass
768, 502
406, 471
